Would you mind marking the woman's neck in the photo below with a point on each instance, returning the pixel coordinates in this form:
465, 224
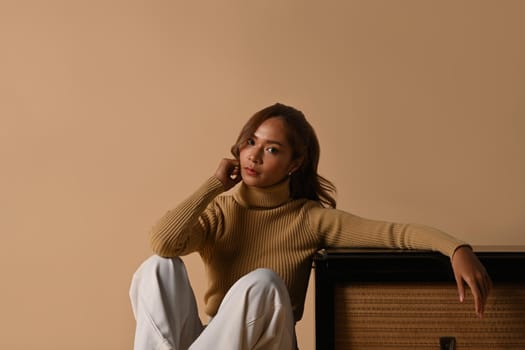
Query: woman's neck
263, 197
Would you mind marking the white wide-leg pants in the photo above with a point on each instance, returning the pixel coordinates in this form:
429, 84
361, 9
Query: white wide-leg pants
256, 312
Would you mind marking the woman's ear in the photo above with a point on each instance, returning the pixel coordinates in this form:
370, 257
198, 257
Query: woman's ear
295, 165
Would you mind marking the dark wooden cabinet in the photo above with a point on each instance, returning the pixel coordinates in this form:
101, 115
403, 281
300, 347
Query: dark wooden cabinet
395, 299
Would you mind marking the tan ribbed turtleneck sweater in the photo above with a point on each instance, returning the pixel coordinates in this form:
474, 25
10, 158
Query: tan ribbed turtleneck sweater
263, 227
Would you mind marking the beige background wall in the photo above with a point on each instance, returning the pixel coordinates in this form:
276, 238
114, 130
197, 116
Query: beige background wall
111, 112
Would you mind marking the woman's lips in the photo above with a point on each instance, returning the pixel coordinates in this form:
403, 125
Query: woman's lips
250, 172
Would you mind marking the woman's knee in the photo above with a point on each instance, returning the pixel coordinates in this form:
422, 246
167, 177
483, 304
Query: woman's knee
159, 265
160, 271
265, 275
264, 279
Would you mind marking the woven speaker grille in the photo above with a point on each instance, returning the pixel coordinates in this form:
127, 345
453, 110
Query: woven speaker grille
415, 316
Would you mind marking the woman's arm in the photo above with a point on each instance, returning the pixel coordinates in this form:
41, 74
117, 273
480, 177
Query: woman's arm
184, 229
342, 229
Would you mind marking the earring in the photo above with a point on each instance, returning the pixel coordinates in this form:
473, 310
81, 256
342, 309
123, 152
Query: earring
290, 173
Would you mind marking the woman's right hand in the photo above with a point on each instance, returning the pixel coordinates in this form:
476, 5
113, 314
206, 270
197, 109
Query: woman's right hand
228, 173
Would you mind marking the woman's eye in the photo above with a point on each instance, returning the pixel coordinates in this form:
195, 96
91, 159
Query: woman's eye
272, 150
250, 142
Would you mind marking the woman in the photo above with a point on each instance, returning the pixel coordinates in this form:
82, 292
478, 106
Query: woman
257, 244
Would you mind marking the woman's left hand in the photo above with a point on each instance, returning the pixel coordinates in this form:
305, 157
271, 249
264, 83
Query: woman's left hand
468, 269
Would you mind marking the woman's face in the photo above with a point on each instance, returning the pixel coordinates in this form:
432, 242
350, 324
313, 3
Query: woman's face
266, 157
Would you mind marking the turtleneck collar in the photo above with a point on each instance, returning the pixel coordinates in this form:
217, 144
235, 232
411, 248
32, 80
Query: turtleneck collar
267, 197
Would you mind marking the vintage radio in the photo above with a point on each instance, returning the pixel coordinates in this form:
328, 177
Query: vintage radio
395, 299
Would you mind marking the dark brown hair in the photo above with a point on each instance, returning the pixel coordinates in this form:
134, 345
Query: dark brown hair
305, 182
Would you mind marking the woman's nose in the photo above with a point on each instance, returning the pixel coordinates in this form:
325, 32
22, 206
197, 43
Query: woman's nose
255, 156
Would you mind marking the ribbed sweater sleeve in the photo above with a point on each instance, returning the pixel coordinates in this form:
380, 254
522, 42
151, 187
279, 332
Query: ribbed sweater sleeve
341, 229
184, 229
